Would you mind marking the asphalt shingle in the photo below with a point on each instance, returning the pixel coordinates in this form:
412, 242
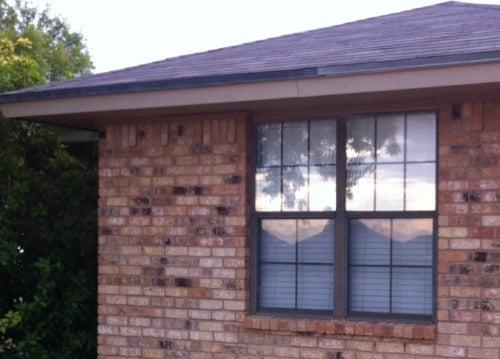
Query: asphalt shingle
441, 34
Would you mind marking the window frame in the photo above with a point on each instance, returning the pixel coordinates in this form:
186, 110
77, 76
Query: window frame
341, 217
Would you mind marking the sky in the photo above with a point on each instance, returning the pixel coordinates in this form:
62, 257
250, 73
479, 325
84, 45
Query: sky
123, 33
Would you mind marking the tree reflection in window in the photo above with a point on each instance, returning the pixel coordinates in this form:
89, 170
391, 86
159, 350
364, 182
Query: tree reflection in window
390, 164
296, 166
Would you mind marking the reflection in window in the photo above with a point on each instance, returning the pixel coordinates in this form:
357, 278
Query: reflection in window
391, 162
296, 166
390, 166
296, 264
390, 266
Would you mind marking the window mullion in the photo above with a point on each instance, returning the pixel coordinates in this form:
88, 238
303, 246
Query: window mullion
340, 243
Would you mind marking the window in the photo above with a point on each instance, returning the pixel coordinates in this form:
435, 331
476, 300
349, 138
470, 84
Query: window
345, 216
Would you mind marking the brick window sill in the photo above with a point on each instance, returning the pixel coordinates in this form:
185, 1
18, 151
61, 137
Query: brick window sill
425, 332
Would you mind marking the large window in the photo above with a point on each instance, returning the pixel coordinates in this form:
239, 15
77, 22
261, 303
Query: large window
345, 216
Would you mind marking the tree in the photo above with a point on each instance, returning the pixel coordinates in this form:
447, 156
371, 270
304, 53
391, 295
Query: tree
59, 53
47, 202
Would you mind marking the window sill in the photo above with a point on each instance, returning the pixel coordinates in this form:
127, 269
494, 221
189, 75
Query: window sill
425, 332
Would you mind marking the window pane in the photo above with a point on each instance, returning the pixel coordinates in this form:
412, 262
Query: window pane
360, 140
369, 241
322, 184
315, 287
278, 240
412, 242
360, 188
421, 186
372, 271
390, 187
369, 289
421, 141
390, 138
295, 143
295, 188
269, 145
412, 290
296, 166
267, 191
315, 238
322, 142
277, 286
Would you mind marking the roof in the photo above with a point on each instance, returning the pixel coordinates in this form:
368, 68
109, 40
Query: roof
440, 35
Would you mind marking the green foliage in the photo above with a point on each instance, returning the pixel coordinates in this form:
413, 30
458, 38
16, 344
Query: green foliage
48, 245
17, 70
59, 53
48, 201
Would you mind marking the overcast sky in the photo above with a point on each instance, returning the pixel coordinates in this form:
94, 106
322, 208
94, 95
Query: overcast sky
123, 33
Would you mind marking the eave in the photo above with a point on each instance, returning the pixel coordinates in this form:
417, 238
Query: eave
85, 111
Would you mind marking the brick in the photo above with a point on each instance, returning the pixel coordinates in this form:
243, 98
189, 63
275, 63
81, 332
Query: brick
174, 249
482, 353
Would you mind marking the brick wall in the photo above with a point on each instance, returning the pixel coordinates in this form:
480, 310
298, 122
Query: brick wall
174, 248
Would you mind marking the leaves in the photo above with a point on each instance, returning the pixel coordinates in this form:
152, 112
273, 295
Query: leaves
48, 198
58, 53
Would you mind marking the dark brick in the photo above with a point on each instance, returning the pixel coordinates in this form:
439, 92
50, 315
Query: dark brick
180, 191
491, 268
480, 256
139, 211
234, 179
182, 282
222, 211
196, 190
141, 201
461, 269
166, 344
471, 197
160, 282
219, 231
453, 304
105, 231
484, 305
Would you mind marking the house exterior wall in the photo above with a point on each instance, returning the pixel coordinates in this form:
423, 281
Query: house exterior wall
174, 248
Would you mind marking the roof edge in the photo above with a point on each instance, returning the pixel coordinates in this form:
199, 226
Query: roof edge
244, 78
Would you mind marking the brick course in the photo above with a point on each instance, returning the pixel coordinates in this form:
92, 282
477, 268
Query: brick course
174, 249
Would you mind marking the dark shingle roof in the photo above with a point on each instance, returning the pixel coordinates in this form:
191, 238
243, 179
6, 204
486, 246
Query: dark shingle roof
442, 34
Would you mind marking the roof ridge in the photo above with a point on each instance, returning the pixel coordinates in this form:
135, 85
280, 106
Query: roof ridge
470, 4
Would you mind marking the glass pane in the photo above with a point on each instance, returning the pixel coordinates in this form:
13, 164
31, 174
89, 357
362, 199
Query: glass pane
323, 139
295, 143
360, 189
412, 290
278, 239
390, 187
421, 186
269, 145
267, 189
369, 289
315, 287
315, 238
360, 140
369, 241
421, 137
277, 286
295, 188
322, 185
390, 138
412, 242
